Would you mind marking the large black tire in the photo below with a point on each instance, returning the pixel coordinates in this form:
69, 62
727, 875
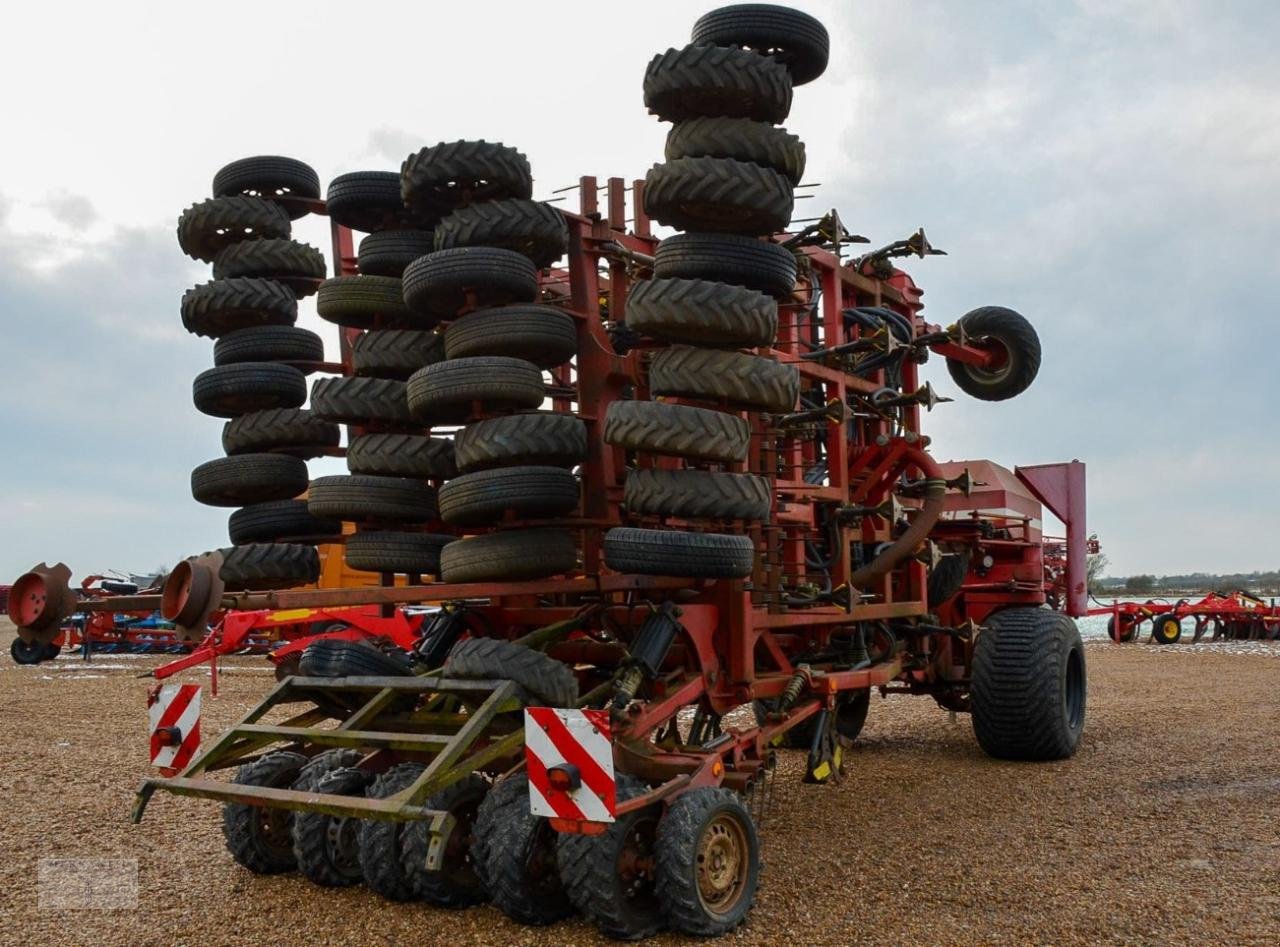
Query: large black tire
1009, 333
396, 354
545, 680
269, 566
333, 657
947, 577
366, 200
714, 375
453, 173
740, 139
437, 286
1029, 685
269, 344
327, 847
447, 390
297, 265
206, 228
248, 478
292, 430
669, 552
389, 551
260, 838
530, 227
1166, 629
360, 400
678, 430
697, 494
269, 176
543, 335
708, 862
388, 253
727, 258
1128, 630
26, 653
279, 520
702, 81
365, 302
609, 885
514, 851
558, 440
216, 308
457, 884
795, 39
360, 498
487, 496
381, 849
509, 556
718, 195
699, 312
402, 455
229, 391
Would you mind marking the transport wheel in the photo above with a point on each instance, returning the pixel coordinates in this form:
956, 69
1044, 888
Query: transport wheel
1016, 345
366, 200
360, 400
486, 496
297, 265
388, 252
248, 478
456, 884
947, 578
611, 877
268, 176
269, 566
1029, 685
697, 494
206, 228
277, 520
718, 194
1165, 629
402, 455
448, 390
397, 354
708, 862
389, 551
727, 258
699, 312
269, 344
292, 430
542, 335
358, 498
380, 843
363, 302
327, 847
260, 838
229, 391
748, 380
26, 652
514, 851
51, 651
546, 681
437, 286
532, 228
513, 556
332, 657
1128, 629
678, 430
216, 308
453, 173
669, 552
708, 82
741, 140
797, 40
543, 439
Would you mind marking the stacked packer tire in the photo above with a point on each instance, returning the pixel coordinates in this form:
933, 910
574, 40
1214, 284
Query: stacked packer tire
260, 360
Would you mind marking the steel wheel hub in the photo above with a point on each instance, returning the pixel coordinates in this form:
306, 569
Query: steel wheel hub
722, 863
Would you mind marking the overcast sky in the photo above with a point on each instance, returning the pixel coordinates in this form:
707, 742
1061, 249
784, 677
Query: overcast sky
1111, 168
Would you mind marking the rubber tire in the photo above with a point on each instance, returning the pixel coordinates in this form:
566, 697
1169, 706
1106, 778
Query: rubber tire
699, 312
727, 258
297, 265
677, 430
388, 252
334, 657
452, 173
269, 344
360, 498
549, 440
458, 884
706, 82
229, 391
207, 228
516, 556
488, 496
278, 520
670, 552
402, 455
947, 578
795, 39
223, 306
248, 478
543, 335
439, 285
697, 494
25, 653
247, 839
268, 176
1159, 632
261, 566
360, 400
381, 848
713, 375
1020, 685
366, 200
447, 390
366, 302
718, 195
1020, 341
741, 140
679, 832
545, 681
292, 430
1128, 633
395, 354
332, 773
532, 228
403, 553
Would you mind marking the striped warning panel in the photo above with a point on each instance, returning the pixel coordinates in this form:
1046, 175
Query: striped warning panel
174, 710
570, 758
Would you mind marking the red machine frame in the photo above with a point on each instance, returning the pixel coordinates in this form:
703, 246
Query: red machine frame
1234, 616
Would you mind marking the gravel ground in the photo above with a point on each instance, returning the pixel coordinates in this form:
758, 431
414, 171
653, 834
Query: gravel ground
1161, 830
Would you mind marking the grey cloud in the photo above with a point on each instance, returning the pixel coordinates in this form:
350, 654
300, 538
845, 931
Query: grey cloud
72, 210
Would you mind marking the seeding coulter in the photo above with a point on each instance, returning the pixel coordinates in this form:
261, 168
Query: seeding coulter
651, 482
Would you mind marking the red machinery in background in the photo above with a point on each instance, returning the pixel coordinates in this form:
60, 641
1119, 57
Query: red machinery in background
1224, 616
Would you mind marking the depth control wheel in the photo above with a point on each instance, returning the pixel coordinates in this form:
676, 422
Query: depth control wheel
1165, 629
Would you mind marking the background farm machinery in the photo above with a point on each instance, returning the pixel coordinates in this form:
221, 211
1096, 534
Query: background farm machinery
1223, 616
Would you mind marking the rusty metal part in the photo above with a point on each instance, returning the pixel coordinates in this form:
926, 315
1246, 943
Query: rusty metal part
191, 594
40, 600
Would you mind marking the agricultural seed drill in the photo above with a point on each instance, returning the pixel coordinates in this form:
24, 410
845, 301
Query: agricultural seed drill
685, 476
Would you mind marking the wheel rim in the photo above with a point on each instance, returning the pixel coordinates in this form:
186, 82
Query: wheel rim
342, 841
274, 831
723, 864
1073, 695
1001, 365
636, 863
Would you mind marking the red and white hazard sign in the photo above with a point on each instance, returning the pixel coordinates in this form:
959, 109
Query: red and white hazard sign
174, 710
570, 759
